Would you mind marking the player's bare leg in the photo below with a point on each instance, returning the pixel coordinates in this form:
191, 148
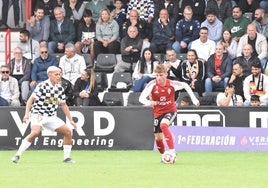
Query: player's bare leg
67, 142
26, 142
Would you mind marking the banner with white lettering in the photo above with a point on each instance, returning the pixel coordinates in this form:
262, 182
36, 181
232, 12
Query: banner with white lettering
220, 138
112, 128
98, 128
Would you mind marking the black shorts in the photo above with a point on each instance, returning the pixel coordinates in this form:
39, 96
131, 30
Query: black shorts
170, 116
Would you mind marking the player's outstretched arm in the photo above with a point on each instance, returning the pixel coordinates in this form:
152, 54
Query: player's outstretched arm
189, 91
66, 111
28, 108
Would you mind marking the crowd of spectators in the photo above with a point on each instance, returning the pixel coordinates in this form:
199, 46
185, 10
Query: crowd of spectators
223, 44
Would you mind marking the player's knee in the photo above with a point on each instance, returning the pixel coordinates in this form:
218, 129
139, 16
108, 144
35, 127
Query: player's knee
67, 133
35, 133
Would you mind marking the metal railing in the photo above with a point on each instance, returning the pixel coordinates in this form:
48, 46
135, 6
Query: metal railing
28, 13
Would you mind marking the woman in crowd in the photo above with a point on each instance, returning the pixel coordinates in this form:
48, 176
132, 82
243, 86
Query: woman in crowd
193, 72
85, 92
86, 34
144, 70
229, 44
107, 34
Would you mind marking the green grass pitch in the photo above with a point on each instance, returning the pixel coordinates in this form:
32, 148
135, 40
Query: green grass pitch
131, 169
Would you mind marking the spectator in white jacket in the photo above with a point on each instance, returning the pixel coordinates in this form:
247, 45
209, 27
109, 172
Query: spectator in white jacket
72, 64
257, 41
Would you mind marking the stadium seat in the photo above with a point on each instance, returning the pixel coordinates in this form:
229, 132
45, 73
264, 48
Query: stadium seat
121, 82
248, 15
133, 99
58, 56
159, 57
105, 63
113, 99
209, 99
101, 81
182, 56
88, 60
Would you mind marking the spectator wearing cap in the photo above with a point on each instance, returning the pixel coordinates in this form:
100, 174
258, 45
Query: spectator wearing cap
214, 26
256, 84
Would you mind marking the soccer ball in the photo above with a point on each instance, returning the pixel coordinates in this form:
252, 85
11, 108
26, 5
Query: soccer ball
168, 157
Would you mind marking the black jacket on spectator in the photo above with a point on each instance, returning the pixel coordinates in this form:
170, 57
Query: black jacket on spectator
246, 63
93, 95
136, 43
145, 29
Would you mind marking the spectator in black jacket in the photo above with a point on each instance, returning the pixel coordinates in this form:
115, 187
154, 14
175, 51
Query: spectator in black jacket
86, 34
61, 32
131, 46
163, 33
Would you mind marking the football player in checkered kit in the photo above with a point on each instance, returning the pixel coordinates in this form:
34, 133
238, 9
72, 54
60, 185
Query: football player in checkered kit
41, 109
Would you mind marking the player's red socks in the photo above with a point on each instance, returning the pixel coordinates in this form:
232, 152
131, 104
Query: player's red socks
160, 146
168, 135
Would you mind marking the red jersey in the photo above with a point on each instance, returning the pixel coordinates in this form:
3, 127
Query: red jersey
164, 96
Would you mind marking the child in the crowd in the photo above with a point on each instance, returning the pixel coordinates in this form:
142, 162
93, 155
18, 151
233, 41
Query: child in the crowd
255, 100
186, 101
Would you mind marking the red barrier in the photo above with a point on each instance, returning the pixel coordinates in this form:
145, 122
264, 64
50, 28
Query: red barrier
7, 46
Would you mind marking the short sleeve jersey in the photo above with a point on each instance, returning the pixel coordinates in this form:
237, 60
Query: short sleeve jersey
47, 98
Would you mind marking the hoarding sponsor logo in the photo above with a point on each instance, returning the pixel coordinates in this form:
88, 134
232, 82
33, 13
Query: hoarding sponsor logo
103, 126
202, 118
226, 140
258, 118
254, 140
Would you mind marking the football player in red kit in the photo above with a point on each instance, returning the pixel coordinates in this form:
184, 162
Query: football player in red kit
160, 94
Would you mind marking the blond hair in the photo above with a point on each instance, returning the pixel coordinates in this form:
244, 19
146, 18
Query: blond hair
160, 68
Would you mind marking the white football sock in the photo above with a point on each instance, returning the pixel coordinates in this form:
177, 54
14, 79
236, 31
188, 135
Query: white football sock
67, 151
25, 144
